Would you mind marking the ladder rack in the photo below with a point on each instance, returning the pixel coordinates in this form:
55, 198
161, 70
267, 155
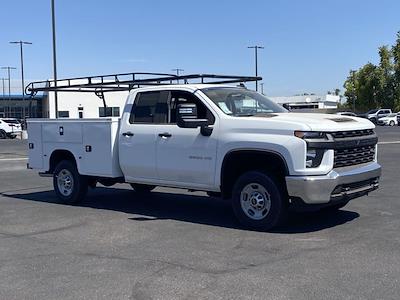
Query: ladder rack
127, 81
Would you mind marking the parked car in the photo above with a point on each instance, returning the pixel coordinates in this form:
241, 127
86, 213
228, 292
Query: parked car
375, 114
226, 140
390, 120
14, 124
6, 131
346, 113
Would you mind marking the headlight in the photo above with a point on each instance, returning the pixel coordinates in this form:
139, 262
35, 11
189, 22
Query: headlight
310, 135
313, 156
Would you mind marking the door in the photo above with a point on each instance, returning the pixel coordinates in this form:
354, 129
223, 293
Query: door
184, 156
138, 137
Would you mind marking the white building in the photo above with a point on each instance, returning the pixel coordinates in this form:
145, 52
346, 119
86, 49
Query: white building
308, 101
84, 105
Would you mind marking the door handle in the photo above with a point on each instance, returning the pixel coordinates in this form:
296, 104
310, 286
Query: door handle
128, 134
165, 134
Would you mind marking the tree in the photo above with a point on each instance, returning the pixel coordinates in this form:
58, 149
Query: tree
374, 86
396, 67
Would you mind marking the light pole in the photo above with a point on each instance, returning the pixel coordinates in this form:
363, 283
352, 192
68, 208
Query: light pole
8, 68
53, 23
256, 58
177, 70
4, 92
22, 72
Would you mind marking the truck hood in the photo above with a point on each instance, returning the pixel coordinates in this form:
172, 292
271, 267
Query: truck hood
322, 122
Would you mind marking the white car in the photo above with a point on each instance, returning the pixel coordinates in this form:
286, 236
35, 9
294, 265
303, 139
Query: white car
6, 131
390, 120
15, 125
225, 140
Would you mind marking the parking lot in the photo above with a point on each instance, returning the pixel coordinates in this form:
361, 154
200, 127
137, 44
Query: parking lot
176, 244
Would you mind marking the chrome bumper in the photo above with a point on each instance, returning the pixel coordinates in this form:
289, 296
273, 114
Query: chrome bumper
338, 184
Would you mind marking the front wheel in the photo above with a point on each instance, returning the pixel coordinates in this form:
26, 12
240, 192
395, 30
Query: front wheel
258, 202
3, 134
69, 185
391, 123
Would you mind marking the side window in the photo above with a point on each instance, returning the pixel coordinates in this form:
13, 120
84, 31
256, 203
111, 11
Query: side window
150, 108
181, 97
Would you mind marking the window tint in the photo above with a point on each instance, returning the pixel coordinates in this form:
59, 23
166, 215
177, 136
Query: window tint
150, 107
63, 114
109, 112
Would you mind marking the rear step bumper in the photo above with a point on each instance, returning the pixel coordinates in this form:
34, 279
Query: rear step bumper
338, 185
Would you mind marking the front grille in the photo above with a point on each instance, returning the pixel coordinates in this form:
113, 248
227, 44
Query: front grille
352, 133
354, 156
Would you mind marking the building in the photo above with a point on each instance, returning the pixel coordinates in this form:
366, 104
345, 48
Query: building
14, 106
84, 105
309, 102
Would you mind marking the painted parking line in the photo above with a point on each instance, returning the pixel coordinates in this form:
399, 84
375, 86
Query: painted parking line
392, 142
14, 159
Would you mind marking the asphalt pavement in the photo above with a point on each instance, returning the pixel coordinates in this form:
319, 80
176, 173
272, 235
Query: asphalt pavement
174, 244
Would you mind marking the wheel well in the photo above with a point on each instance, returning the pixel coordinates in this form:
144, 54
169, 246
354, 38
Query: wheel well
59, 155
238, 162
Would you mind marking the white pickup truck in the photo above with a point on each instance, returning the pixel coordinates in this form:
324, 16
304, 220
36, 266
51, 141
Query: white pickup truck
227, 140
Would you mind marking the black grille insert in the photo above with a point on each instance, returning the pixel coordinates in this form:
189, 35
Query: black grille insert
354, 156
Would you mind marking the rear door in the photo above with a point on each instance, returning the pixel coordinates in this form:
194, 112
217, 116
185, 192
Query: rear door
138, 137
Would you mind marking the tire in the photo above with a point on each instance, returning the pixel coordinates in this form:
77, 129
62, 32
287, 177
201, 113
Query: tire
391, 123
142, 188
69, 185
3, 134
258, 202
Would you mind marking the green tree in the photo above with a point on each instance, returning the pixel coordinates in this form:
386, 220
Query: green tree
396, 76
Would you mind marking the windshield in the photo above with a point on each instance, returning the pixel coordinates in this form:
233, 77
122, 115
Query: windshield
241, 102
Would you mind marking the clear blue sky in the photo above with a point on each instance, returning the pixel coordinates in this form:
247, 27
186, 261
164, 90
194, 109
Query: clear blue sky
309, 45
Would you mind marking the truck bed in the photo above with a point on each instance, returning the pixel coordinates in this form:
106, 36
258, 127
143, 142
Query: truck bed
93, 142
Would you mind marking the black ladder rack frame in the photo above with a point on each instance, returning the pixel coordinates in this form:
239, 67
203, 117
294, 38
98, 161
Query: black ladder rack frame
128, 81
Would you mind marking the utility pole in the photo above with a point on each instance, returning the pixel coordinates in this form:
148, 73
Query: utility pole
53, 22
256, 58
177, 70
22, 73
8, 68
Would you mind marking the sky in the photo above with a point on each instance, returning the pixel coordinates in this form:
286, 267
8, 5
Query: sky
310, 45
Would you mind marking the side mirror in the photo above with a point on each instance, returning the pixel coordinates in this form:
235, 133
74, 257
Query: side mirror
186, 117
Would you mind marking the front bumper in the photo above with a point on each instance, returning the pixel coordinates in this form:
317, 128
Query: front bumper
338, 185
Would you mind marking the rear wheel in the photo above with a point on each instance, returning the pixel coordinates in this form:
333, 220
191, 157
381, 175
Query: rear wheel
258, 202
391, 123
69, 185
3, 134
142, 188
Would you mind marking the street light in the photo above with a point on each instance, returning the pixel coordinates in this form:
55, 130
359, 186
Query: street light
8, 68
53, 23
177, 70
256, 54
22, 71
